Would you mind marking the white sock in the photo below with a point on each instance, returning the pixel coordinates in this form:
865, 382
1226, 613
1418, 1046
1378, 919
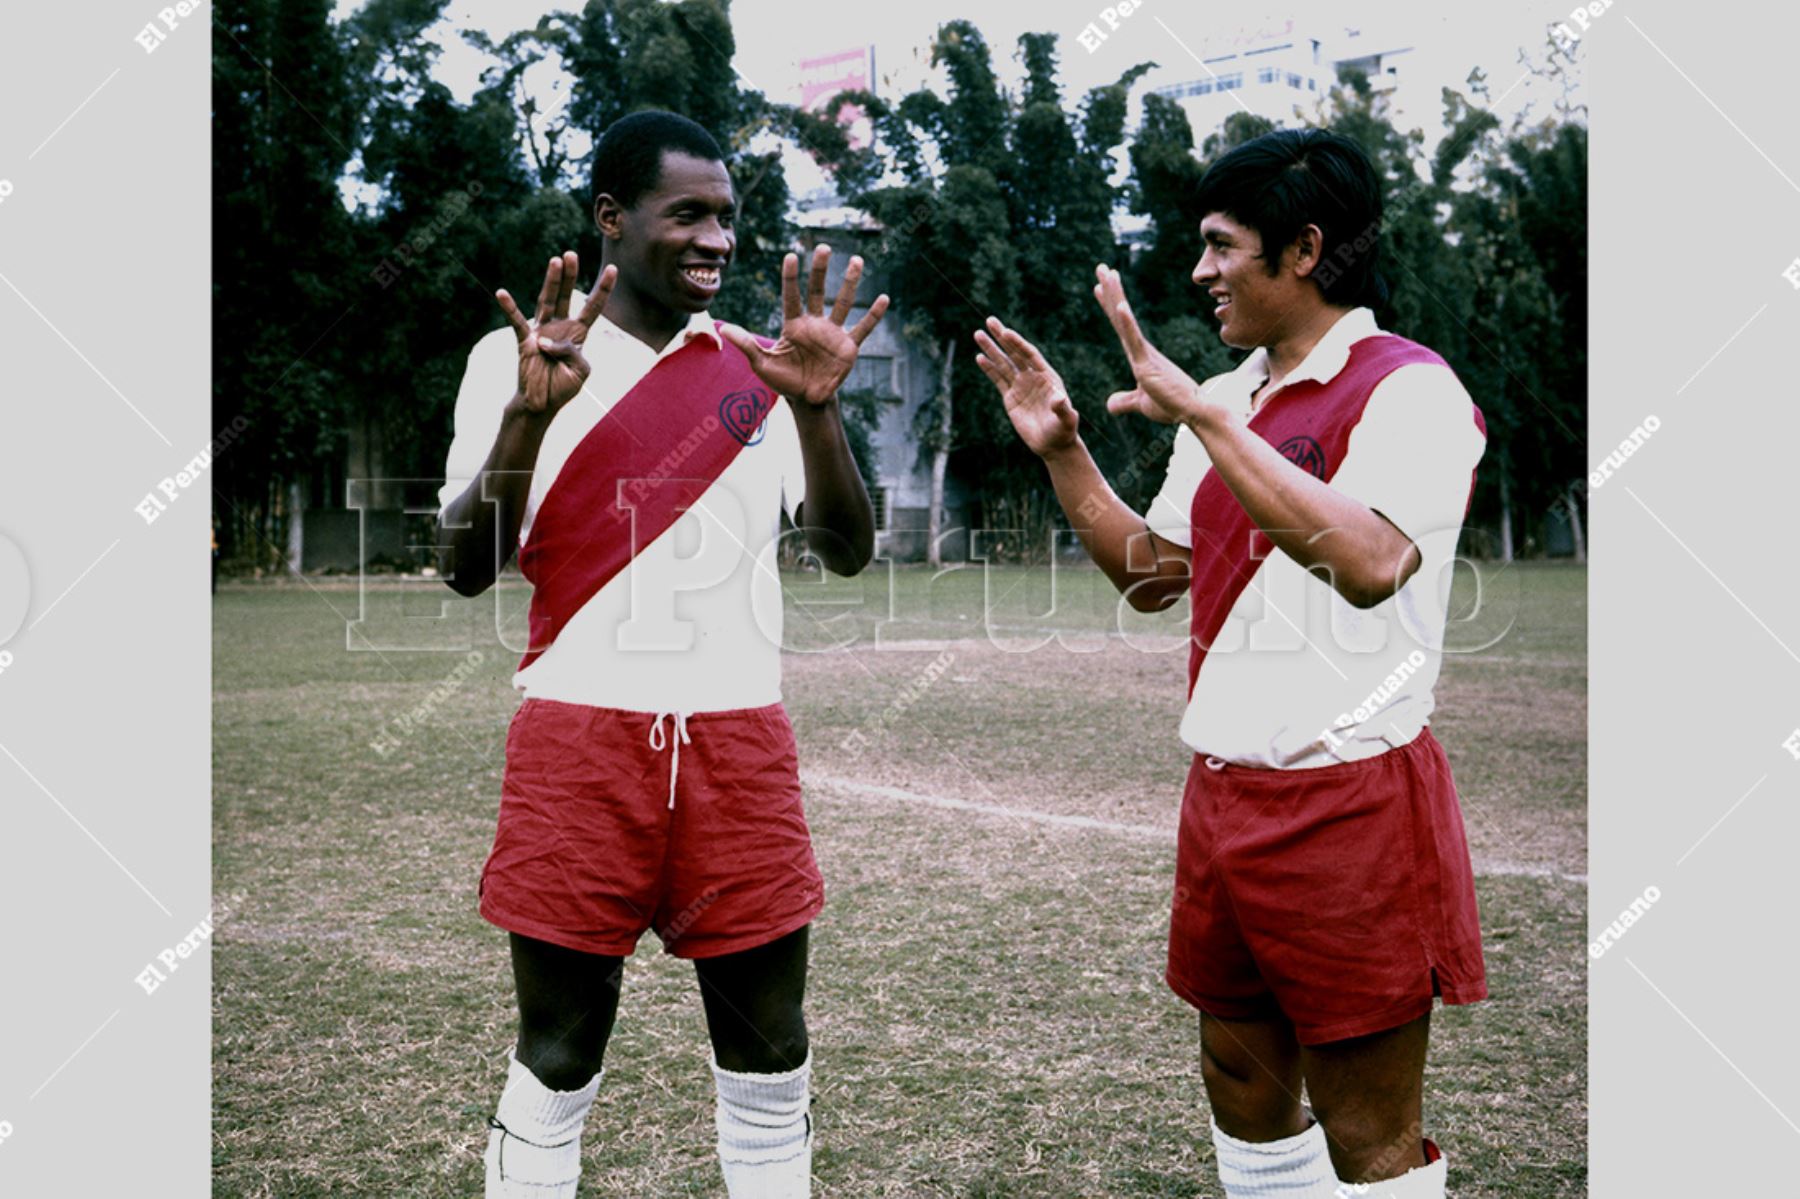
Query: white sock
534, 1148
1420, 1182
1296, 1167
765, 1132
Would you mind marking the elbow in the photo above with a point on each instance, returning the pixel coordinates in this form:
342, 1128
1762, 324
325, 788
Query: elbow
842, 552
467, 588
1363, 598
465, 582
1371, 589
846, 566
1144, 603
1156, 594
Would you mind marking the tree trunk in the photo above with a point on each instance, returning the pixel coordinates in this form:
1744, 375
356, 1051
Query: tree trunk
1574, 506
296, 525
940, 458
1506, 541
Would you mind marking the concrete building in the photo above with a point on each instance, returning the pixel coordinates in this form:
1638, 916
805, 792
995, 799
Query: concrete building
1279, 70
902, 374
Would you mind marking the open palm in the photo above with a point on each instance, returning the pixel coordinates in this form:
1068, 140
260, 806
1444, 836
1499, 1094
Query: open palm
552, 369
815, 353
1036, 401
1165, 393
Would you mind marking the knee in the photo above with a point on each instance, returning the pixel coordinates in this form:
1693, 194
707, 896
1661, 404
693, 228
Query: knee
1367, 1145
1250, 1105
560, 1063
774, 1052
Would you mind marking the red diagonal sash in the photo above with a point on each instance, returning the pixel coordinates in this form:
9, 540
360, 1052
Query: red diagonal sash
645, 462
1310, 424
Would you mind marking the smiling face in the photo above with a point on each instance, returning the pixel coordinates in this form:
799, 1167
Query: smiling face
1253, 307
673, 245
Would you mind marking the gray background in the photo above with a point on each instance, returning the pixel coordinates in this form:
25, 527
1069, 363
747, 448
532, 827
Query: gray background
104, 268
104, 713
1692, 1040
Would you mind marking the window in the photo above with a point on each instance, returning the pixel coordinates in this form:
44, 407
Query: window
1293, 80
878, 499
1312, 85
1230, 82
873, 374
1267, 75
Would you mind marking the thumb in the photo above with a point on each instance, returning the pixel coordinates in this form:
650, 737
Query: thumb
742, 340
1120, 402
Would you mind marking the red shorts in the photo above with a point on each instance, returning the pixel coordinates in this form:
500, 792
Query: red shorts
589, 853
1341, 897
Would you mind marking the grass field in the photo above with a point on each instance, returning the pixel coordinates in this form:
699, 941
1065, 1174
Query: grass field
986, 1004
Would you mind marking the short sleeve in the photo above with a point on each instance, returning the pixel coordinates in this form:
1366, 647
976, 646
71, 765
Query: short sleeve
1170, 515
784, 439
489, 380
1412, 455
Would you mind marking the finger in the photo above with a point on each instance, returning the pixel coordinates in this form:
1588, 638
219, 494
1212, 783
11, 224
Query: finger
596, 303
1106, 292
547, 297
514, 317
1022, 351
996, 333
569, 264
1005, 366
742, 340
815, 283
846, 297
790, 287
1118, 310
986, 366
870, 319
1127, 401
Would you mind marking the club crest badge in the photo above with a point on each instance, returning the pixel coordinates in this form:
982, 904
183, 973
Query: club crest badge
743, 413
1304, 453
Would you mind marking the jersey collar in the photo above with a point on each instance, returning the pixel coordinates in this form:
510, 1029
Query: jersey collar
1323, 362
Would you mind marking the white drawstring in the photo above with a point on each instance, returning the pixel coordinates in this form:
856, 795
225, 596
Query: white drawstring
657, 741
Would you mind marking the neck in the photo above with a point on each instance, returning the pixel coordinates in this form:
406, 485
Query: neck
653, 324
1290, 349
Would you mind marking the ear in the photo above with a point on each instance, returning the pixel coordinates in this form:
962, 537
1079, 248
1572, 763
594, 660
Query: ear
609, 217
1306, 252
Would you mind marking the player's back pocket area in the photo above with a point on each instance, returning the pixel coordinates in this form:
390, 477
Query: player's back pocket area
1342, 897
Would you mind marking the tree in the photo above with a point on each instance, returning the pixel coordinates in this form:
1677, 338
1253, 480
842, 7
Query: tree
1001, 206
284, 128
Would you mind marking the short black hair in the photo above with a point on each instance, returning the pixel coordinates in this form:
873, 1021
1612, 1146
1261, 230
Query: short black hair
1281, 182
628, 160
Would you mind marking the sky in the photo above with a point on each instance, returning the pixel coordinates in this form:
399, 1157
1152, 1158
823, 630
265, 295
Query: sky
772, 35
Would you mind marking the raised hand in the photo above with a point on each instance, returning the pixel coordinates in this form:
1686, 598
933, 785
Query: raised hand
815, 352
1164, 391
552, 370
1036, 401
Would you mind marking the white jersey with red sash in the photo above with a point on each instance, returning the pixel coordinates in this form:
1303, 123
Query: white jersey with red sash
650, 529
1284, 673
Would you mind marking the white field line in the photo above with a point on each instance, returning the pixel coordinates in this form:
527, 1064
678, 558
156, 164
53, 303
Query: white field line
851, 787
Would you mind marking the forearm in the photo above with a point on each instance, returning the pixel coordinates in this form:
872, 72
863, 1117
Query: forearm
840, 522
1150, 572
480, 534
1331, 534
